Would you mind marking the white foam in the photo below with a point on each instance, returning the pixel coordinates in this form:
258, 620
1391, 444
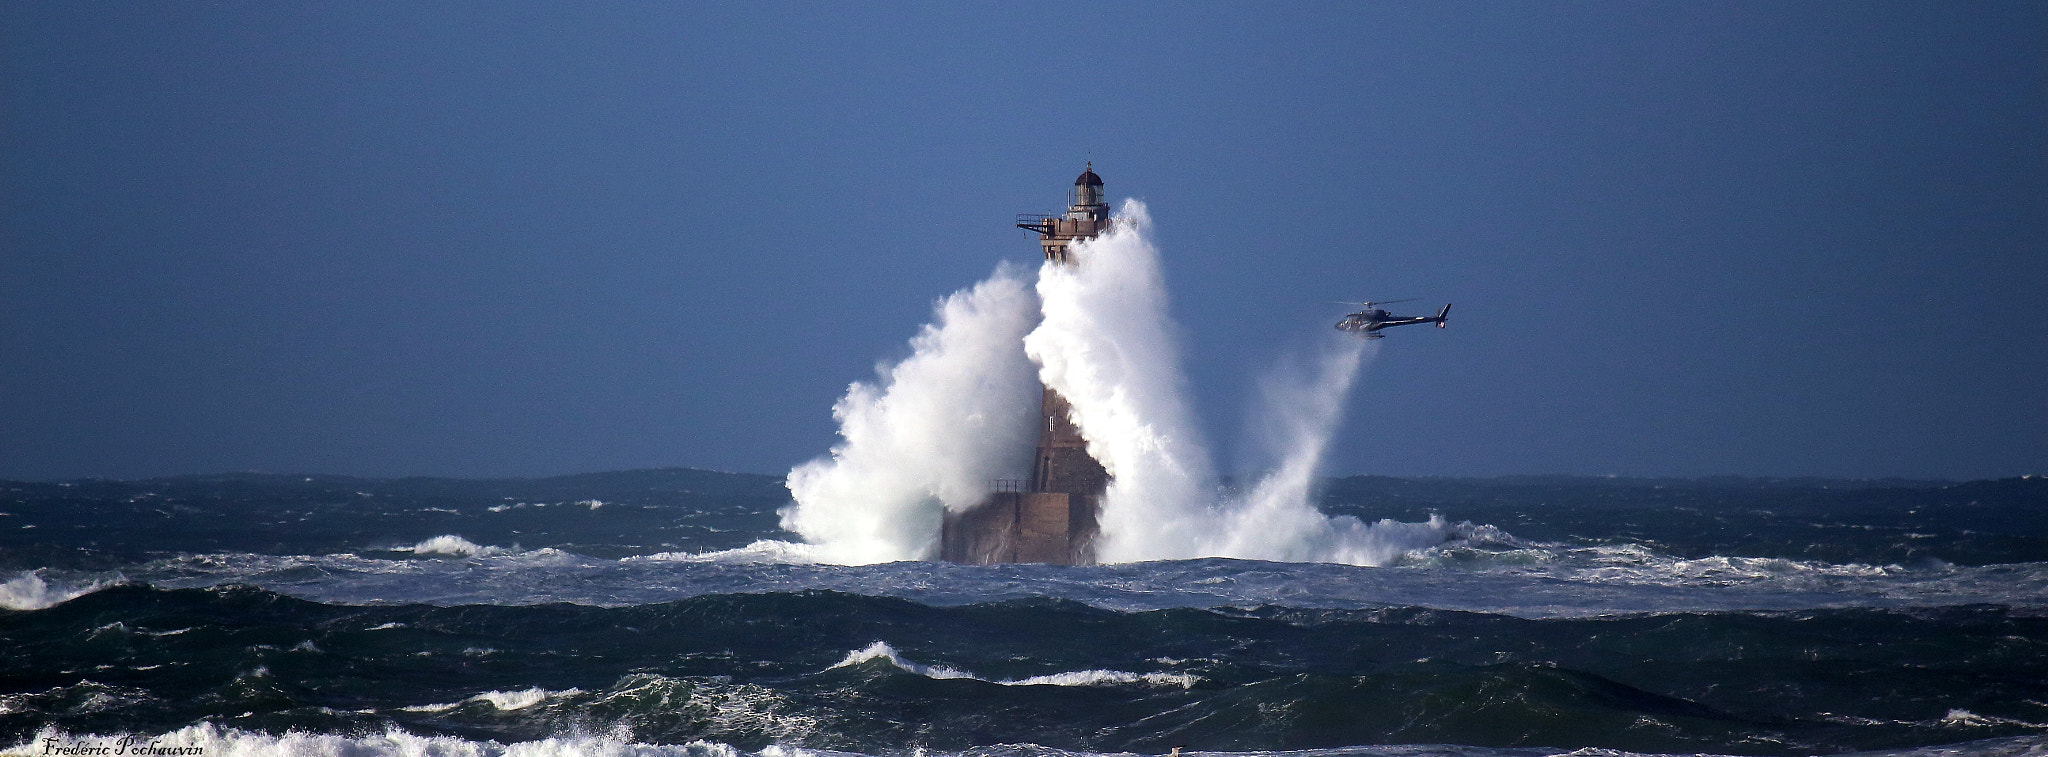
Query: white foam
881, 650
1638, 564
216, 741
1103, 677
930, 435
453, 546
742, 710
29, 591
441, 707
1963, 717
505, 701
1479, 568
764, 551
519, 700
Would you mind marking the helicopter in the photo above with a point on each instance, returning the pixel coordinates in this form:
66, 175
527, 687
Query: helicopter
1369, 321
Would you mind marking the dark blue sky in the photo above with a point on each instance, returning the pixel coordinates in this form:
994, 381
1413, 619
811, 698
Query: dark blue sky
525, 239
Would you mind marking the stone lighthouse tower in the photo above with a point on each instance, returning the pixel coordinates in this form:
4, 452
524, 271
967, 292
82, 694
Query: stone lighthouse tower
1050, 517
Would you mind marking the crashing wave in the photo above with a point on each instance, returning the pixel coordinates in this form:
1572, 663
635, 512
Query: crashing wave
30, 591
452, 545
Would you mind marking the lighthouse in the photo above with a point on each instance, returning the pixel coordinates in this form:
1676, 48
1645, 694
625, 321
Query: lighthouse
1087, 215
1050, 517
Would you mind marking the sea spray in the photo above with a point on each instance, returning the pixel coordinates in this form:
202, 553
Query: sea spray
929, 435
1106, 343
1298, 410
30, 591
962, 410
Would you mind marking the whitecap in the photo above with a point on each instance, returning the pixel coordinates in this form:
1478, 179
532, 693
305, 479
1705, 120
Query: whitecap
764, 551
1108, 677
211, 739
881, 650
29, 591
520, 700
453, 546
505, 701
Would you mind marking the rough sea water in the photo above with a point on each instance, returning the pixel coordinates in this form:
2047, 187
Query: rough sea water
665, 612
690, 612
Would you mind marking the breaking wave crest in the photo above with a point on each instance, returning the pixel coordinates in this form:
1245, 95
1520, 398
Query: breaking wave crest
762, 551
451, 545
503, 701
881, 650
30, 591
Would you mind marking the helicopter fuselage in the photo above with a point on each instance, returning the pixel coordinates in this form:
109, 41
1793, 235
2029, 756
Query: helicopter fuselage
1369, 322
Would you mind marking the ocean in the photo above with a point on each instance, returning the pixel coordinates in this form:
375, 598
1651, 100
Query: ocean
665, 612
